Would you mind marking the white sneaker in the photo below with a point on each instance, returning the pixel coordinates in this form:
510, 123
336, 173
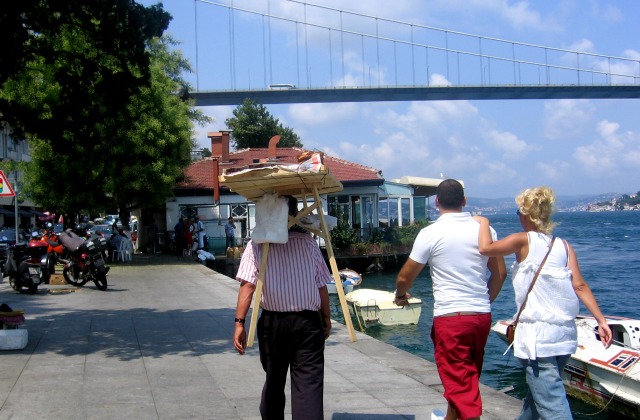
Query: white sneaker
437, 415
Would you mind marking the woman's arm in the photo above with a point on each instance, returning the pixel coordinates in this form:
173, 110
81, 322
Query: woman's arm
584, 293
512, 244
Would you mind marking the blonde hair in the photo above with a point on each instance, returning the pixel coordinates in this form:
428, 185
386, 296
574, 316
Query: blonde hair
537, 203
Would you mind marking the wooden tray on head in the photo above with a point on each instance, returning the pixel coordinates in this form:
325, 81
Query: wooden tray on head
254, 183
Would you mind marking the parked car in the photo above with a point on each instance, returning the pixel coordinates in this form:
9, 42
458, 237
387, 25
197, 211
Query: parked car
105, 229
8, 236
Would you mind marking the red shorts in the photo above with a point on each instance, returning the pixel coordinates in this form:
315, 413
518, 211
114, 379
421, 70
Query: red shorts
458, 343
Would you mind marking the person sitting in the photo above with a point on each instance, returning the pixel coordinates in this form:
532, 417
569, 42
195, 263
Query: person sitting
114, 244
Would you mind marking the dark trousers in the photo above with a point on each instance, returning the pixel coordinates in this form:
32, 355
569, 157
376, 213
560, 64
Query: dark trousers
292, 340
230, 242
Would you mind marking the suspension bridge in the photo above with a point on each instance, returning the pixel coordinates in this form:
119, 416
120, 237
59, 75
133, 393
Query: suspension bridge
317, 54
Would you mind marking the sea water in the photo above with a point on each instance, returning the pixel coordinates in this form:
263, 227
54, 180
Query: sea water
608, 248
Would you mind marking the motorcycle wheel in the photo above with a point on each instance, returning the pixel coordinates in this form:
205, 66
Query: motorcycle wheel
33, 289
101, 281
72, 276
14, 283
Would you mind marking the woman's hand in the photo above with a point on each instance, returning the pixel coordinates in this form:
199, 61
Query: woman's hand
606, 337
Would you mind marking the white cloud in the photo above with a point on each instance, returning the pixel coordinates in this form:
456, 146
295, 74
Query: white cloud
553, 171
612, 153
494, 173
316, 114
566, 118
509, 143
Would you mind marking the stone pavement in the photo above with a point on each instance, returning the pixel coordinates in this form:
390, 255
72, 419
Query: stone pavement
157, 345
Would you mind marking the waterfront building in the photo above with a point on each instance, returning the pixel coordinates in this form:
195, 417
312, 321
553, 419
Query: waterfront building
368, 201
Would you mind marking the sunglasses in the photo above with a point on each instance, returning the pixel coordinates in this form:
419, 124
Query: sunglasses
518, 212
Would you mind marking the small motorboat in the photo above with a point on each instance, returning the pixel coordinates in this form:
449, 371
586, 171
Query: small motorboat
602, 377
370, 307
349, 278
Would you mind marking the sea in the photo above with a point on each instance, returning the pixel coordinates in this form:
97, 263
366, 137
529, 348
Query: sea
607, 245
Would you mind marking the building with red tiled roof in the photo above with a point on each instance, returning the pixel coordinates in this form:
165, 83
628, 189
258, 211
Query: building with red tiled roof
367, 199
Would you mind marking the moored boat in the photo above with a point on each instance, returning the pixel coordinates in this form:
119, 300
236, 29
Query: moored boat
602, 377
371, 307
349, 278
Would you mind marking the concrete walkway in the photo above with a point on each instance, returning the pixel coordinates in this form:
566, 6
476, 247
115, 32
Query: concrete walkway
157, 345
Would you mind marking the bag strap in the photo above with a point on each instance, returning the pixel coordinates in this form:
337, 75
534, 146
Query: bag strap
534, 279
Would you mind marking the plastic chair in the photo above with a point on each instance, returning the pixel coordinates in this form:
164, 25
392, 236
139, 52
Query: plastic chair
119, 254
128, 250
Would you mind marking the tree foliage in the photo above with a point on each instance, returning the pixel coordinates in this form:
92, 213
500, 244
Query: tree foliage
145, 152
253, 126
94, 89
80, 60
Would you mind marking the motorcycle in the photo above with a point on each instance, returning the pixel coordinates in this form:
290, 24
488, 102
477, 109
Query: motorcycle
85, 261
48, 260
25, 270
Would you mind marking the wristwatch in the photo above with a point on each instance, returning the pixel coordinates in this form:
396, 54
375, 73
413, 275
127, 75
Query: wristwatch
239, 320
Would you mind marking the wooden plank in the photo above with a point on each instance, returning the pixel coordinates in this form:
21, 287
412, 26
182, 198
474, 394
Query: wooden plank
257, 295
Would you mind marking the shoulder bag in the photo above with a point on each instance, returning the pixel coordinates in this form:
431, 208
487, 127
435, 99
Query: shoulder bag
511, 329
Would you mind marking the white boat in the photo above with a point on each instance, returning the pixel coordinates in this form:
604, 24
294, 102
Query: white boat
371, 307
603, 377
349, 278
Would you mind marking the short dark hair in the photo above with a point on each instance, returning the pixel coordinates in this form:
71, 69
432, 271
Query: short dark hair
293, 204
450, 194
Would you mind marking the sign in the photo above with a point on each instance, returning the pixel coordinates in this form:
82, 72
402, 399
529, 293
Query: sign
5, 186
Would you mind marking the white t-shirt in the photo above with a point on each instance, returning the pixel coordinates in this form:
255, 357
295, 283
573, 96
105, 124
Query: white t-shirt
458, 271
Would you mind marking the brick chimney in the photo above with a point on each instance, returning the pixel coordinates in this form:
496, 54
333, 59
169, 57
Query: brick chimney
272, 147
220, 145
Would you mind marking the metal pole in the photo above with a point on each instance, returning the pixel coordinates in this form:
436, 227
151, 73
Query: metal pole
15, 200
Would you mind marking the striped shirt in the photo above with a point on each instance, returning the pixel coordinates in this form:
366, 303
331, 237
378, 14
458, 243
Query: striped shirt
295, 271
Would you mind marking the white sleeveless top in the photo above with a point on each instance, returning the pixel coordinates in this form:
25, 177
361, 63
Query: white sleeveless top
547, 323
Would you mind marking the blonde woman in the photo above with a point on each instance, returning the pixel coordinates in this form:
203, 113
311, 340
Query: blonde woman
546, 335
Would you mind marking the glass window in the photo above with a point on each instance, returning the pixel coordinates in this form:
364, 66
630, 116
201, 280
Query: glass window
383, 212
406, 211
393, 212
419, 209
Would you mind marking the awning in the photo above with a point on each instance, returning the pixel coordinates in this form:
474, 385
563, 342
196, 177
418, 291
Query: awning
37, 213
7, 212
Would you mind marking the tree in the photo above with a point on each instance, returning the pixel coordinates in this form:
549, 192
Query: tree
81, 60
141, 158
253, 126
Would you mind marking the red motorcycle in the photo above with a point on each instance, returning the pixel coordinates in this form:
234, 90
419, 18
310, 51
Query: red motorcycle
48, 259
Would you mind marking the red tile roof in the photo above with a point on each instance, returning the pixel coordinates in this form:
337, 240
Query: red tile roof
200, 173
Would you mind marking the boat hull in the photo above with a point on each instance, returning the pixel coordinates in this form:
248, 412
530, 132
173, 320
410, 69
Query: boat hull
349, 279
602, 377
371, 307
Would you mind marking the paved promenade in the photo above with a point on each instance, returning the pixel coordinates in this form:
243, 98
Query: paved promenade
157, 345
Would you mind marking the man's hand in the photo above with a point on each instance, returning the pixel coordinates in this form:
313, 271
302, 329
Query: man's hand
326, 326
402, 300
240, 338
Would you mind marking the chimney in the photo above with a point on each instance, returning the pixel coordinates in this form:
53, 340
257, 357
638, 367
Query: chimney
272, 147
220, 145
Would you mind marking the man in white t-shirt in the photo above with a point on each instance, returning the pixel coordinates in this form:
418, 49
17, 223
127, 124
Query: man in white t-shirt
464, 285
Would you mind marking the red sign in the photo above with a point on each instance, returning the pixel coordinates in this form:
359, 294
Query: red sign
5, 186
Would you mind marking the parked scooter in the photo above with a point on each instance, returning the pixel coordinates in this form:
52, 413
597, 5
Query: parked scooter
85, 261
25, 266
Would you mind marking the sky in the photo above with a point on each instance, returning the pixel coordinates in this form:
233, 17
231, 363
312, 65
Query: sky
497, 147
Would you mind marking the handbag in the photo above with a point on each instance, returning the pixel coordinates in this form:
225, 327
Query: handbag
511, 329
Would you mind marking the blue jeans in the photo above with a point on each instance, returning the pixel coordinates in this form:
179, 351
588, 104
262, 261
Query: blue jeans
547, 398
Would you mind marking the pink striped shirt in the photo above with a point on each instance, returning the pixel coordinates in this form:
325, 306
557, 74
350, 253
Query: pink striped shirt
295, 271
